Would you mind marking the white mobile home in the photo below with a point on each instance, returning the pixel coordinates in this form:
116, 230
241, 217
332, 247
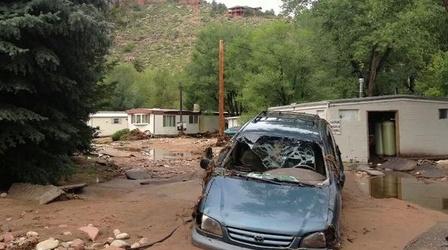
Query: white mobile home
167, 121
108, 122
371, 127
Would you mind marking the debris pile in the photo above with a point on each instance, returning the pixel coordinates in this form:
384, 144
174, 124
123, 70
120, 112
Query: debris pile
30, 240
421, 168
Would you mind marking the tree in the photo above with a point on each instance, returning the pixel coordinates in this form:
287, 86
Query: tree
279, 70
202, 72
379, 36
434, 81
51, 57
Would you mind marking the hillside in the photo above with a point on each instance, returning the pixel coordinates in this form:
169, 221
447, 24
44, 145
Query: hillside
163, 34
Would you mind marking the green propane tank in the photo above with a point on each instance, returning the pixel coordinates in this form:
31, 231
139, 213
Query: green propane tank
379, 139
388, 130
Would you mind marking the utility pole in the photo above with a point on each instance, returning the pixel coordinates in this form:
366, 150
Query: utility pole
181, 132
221, 92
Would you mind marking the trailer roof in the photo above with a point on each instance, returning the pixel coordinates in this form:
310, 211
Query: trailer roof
364, 100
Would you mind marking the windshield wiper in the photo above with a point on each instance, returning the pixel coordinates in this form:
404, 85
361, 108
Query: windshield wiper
255, 178
302, 184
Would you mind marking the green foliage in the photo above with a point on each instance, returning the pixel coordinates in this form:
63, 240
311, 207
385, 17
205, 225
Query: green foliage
120, 134
51, 57
148, 88
434, 81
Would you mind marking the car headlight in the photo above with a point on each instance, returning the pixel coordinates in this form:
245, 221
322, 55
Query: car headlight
314, 240
211, 226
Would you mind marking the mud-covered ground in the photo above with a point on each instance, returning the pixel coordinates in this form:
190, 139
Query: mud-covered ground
155, 210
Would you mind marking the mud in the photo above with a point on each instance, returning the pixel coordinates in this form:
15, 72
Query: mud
153, 211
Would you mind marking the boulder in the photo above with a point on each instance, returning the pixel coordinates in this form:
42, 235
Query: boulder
400, 164
77, 244
135, 245
433, 239
91, 231
49, 244
38, 193
443, 163
116, 232
113, 248
32, 234
3, 195
137, 174
122, 236
8, 237
2, 246
119, 244
374, 172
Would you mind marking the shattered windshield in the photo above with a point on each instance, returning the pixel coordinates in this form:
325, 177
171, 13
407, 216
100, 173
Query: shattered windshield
281, 158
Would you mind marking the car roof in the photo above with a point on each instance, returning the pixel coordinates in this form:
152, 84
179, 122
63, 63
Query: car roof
286, 124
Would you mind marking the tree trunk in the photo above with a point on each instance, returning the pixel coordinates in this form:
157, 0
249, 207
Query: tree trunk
376, 63
445, 4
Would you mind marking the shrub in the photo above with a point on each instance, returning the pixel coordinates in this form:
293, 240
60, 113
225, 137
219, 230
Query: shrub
120, 134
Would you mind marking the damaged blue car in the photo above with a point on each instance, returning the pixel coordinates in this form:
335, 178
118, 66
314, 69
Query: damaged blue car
276, 186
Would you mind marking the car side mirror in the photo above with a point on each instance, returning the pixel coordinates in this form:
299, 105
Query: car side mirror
205, 163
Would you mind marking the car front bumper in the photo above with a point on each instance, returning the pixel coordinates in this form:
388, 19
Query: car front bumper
205, 242
208, 243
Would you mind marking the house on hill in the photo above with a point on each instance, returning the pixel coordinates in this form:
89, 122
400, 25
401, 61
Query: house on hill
240, 11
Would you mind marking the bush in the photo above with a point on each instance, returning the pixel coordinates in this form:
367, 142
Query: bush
120, 134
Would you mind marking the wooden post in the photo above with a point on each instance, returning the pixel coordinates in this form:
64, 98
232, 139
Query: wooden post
221, 92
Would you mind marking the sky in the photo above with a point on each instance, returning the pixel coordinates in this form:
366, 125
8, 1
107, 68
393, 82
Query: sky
265, 4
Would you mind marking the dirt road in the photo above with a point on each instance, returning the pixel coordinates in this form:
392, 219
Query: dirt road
153, 211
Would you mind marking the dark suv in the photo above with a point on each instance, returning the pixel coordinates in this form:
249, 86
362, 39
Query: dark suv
276, 186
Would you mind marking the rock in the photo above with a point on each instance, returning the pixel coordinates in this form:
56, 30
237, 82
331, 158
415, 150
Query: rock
135, 245
137, 174
91, 231
8, 237
400, 164
431, 171
3, 195
37, 193
66, 244
2, 246
26, 243
119, 243
143, 241
443, 163
49, 244
77, 244
62, 226
433, 239
374, 172
32, 234
74, 188
67, 233
110, 239
95, 246
116, 232
122, 236
113, 248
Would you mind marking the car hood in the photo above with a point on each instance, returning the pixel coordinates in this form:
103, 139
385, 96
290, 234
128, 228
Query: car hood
265, 207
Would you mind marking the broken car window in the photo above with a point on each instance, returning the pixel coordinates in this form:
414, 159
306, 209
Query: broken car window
268, 153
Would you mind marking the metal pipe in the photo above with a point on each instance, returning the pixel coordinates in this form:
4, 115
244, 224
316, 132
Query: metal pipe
361, 87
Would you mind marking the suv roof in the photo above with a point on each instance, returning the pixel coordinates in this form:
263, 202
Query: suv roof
286, 124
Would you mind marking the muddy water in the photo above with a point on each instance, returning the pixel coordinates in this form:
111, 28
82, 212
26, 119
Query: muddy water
430, 194
160, 154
